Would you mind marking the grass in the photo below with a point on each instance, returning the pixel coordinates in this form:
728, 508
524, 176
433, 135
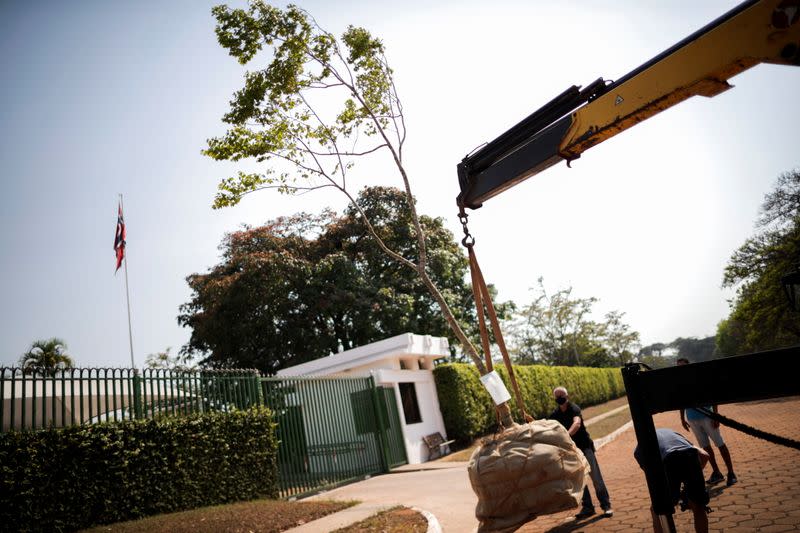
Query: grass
610, 424
394, 520
258, 516
596, 430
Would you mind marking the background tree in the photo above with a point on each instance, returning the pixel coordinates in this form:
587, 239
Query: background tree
656, 349
165, 360
621, 342
300, 287
659, 354
760, 318
48, 356
557, 329
315, 109
658, 361
694, 349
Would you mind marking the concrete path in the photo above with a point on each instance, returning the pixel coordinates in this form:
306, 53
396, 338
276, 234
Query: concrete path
767, 497
444, 492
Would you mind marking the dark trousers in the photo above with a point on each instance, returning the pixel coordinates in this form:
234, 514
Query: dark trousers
597, 480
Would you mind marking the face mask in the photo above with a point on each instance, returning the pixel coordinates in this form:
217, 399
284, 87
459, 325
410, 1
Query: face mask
561, 400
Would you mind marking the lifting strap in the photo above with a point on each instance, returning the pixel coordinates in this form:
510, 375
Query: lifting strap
483, 303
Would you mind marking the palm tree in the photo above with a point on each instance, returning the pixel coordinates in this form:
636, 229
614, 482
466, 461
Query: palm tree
46, 355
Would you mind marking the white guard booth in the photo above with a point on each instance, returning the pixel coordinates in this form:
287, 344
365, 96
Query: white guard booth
403, 363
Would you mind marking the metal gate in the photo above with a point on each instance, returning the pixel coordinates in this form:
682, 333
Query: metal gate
332, 430
394, 433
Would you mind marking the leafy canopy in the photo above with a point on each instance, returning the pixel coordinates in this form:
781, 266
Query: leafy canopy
760, 317
279, 117
557, 329
301, 287
48, 356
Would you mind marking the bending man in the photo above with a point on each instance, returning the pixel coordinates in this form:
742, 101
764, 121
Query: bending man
683, 464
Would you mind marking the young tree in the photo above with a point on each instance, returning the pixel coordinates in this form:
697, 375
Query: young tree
47, 356
760, 318
283, 116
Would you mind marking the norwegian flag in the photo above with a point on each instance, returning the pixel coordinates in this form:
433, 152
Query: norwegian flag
119, 238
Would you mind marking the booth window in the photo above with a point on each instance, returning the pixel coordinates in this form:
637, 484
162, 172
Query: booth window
408, 395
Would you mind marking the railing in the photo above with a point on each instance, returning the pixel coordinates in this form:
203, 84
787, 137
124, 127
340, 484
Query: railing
330, 430
37, 399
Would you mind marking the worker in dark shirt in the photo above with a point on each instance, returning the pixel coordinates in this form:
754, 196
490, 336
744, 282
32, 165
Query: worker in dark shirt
683, 464
569, 415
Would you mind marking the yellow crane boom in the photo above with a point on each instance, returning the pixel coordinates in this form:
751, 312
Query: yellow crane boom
756, 31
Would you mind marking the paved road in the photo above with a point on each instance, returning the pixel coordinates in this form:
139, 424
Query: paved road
767, 498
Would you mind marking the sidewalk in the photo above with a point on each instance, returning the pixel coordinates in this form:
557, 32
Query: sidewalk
767, 497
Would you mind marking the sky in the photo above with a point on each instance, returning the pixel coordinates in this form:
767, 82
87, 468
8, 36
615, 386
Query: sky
99, 99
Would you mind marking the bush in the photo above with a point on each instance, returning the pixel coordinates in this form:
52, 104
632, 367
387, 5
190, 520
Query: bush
468, 410
76, 477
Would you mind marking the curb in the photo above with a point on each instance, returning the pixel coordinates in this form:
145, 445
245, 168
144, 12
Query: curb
598, 418
602, 441
433, 523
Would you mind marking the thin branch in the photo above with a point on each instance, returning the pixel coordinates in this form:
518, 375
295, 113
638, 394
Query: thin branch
355, 154
396, 98
273, 187
296, 163
330, 136
371, 229
315, 85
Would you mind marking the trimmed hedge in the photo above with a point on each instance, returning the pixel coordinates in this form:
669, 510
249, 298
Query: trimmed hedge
73, 478
468, 410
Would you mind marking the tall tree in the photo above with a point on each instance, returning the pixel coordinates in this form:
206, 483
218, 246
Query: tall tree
48, 356
760, 317
302, 286
318, 106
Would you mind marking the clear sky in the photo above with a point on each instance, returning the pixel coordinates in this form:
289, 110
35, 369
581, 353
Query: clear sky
101, 98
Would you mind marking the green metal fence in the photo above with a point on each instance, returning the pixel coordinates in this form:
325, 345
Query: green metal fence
330, 430
38, 399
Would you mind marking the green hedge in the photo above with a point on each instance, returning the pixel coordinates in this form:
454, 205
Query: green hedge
468, 410
76, 477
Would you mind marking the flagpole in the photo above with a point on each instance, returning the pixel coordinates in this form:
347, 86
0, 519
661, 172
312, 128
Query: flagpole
128, 296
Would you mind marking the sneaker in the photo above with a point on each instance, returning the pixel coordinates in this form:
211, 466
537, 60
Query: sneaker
715, 478
585, 513
732, 479
608, 513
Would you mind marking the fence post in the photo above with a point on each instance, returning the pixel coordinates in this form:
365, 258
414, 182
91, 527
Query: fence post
137, 394
380, 424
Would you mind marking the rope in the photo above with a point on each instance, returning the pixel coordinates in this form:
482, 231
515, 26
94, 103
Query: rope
749, 430
478, 295
483, 298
